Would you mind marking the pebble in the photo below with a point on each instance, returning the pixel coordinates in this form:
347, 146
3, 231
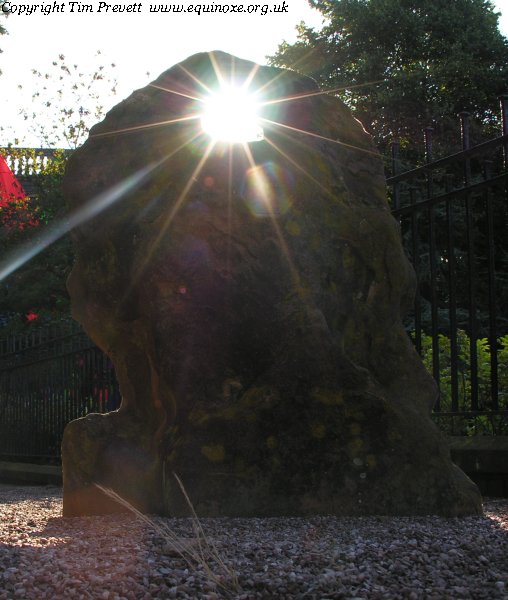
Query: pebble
43, 555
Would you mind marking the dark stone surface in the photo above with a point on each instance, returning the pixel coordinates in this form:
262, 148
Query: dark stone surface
258, 345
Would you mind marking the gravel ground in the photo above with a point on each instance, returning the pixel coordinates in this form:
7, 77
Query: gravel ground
43, 555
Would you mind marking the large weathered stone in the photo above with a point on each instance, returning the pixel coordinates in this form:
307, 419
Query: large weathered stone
251, 300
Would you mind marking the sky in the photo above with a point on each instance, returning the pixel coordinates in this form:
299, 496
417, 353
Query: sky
137, 42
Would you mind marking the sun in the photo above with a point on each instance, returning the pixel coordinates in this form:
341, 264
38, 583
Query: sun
232, 115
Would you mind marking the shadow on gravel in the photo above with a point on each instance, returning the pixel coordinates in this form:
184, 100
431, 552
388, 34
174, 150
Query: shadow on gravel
46, 556
14, 493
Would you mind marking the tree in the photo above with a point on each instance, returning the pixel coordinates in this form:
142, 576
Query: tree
36, 291
403, 65
3, 31
67, 102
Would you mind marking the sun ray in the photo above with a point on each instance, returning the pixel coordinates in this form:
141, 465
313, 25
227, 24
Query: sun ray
57, 230
322, 137
169, 219
299, 167
220, 75
114, 194
136, 128
295, 276
91, 209
186, 189
230, 112
250, 77
170, 91
319, 93
196, 79
217, 70
271, 81
302, 59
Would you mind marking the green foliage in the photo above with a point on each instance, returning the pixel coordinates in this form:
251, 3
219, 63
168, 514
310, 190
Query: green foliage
490, 424
402, 65
67, 102
36, 291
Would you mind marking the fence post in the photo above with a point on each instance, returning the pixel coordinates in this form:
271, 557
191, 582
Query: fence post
396, 171
432, 265
464, 129
428, 143
427, 136
491, 273
473, 357
504, 121
460, 263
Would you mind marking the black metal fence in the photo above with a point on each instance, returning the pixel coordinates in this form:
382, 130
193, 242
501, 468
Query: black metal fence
454, 215
47, 378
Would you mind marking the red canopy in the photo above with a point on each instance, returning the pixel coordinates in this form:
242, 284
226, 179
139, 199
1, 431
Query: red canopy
10, 187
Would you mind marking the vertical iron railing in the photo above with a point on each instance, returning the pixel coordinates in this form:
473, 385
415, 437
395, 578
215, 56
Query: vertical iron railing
47, 378
453, 215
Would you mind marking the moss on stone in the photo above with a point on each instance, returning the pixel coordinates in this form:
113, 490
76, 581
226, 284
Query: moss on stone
215, 453
260, 356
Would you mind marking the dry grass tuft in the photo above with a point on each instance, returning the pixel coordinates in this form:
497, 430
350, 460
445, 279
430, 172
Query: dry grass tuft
198, 550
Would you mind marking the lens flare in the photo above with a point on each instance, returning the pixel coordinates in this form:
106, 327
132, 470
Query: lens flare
267, 190
231, 115
58, 229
